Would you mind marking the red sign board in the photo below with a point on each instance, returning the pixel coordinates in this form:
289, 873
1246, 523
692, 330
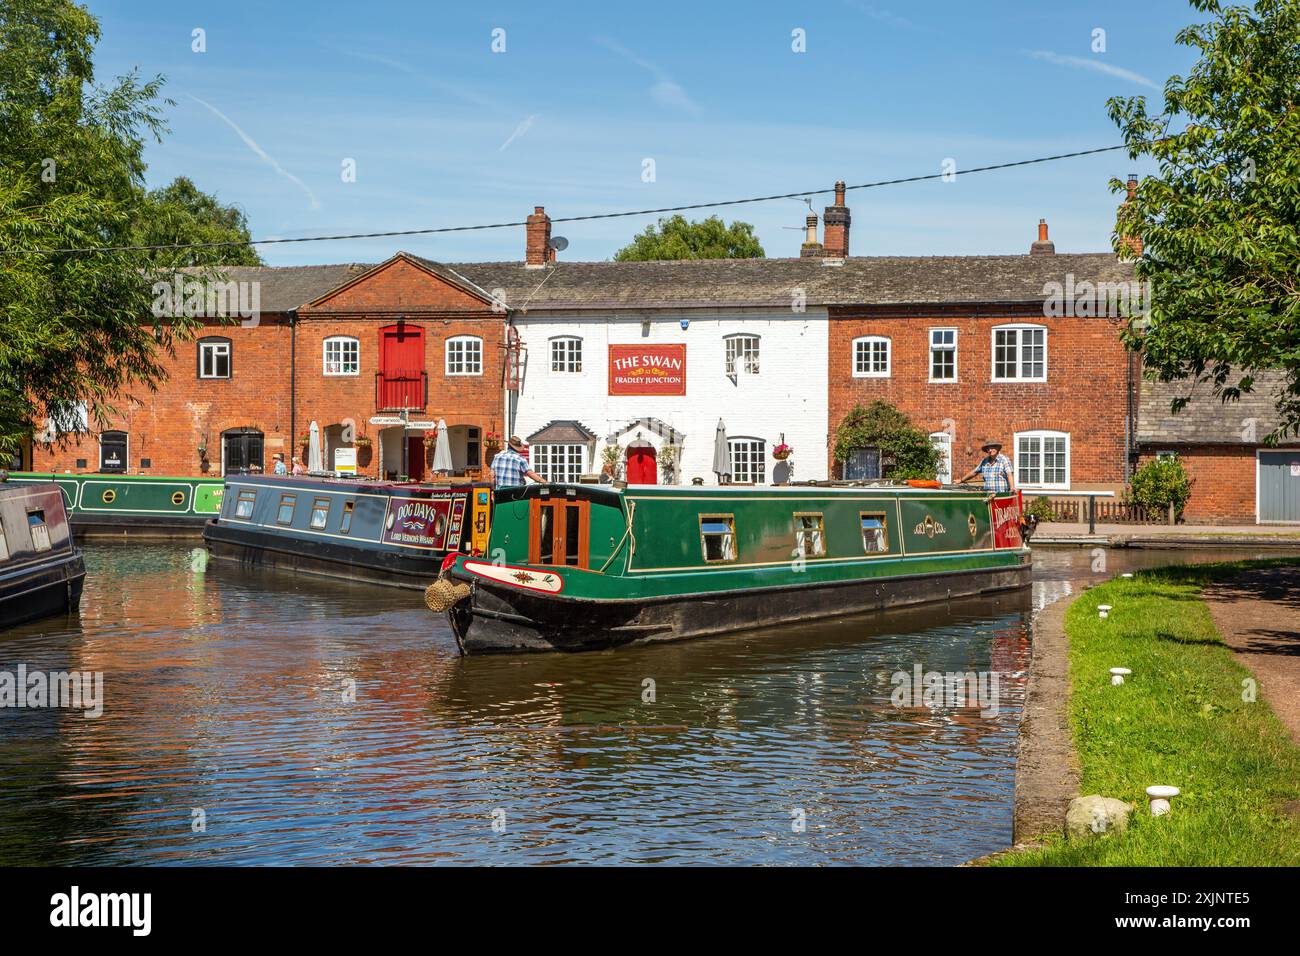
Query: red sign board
433, 524
647, 370
1006, 521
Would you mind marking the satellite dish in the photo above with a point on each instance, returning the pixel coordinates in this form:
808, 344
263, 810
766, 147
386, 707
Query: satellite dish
559, 243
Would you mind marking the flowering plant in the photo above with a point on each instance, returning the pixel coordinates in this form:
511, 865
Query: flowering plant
782, 451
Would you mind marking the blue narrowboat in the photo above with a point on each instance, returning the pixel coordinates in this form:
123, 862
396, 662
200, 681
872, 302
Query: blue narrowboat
41, 571
393, 533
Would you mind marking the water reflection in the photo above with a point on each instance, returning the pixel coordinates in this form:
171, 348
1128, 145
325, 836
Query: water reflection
306, 722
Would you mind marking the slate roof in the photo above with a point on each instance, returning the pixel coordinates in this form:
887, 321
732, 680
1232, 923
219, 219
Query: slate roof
735, 283
564, 431
1206, 420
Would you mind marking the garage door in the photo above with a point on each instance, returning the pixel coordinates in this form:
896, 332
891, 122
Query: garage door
1279, 485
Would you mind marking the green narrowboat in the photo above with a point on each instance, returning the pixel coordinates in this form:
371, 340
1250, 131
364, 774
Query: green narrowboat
154, 504
580, 567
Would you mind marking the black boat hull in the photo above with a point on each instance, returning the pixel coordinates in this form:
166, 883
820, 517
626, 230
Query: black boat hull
251, 547
501, 619
35, 591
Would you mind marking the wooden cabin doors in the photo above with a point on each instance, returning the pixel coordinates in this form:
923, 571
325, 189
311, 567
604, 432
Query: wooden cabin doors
559, 529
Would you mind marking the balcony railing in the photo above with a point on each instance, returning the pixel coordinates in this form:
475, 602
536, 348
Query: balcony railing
401, 389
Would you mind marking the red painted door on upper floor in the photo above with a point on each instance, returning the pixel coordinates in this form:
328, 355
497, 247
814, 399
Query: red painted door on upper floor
402, 379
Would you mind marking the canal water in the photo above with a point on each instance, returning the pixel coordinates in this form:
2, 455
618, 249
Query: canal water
262, 718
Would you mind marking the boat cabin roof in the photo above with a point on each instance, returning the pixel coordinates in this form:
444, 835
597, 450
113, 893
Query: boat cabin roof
345, 485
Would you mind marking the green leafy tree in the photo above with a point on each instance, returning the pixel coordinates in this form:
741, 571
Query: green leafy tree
1160, 483
676, 238
905, 450
73, 327
1220, 223
183, 213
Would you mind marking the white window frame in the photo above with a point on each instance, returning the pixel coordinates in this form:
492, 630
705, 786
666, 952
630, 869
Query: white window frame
569, 350
218, 348
1020, 362
755, 460
743, 353
865, 343
342, 342
555, 461
1039, 435
943, 441
471, 347
929, 355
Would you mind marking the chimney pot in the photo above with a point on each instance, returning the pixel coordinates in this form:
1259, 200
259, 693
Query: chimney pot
836, 221
537, 250
1043, 246
811, 247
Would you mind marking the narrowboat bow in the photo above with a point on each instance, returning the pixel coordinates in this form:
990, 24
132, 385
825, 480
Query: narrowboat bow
41, 571
580, 567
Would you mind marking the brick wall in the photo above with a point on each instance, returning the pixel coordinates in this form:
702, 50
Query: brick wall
1085, 394
1223, 482
167, 426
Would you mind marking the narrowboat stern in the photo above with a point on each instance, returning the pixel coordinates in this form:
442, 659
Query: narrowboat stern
41, 571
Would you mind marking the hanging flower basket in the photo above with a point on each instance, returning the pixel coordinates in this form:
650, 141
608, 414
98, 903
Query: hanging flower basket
362, 441
782, 451
492, 440
430, 439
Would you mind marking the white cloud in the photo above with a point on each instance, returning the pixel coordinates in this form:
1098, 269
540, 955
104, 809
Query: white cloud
1094, 64
261, 153
665, 91
520, 130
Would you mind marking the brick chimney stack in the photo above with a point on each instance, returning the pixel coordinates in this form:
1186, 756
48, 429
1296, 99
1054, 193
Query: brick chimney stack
539, 252
1043, 246
836, 219
1131, 247
811, 248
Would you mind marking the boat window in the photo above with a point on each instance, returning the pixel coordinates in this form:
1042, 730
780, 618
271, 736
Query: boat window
875, 533
320, 512
809, 539
285, 514
40, 532
4, 545
244, 504
345, 522
560, 535
718, 537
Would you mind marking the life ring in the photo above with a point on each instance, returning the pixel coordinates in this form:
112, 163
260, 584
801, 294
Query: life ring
924, 483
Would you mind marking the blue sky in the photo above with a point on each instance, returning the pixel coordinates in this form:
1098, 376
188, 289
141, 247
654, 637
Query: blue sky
444, 131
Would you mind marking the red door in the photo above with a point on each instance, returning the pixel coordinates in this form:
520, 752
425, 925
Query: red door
401, 367
642, 468
415, 457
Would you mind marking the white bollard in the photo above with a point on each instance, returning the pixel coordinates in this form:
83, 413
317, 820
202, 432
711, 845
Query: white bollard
1160, 797
1103, 611
1117, 675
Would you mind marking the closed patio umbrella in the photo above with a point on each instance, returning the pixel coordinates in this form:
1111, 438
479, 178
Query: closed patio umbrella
442, 448
721, 453
315, 460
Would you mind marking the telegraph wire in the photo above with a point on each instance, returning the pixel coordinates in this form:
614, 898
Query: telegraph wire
715, 204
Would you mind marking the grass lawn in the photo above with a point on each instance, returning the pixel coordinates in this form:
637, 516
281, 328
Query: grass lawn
1179, 720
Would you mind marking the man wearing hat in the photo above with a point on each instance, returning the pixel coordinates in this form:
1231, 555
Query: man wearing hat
994, 468
509, 467
280, 467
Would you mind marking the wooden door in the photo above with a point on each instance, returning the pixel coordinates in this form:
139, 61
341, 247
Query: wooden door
415, 457
401, 366
642, 467
558, 532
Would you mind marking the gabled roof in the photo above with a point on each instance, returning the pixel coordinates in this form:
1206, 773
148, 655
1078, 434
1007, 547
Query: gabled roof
654, 425
563, 431
1206, 420
439, 270
284, 288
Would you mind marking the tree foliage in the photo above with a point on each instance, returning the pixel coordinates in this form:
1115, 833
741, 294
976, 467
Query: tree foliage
73, 327
676, 238
1160, 483
905, 450
1220, 223
183, 213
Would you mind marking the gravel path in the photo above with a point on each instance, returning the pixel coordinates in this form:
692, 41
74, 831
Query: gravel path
1258, 614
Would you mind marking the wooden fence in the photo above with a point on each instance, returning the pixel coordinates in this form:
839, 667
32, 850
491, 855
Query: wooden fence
1108, 511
